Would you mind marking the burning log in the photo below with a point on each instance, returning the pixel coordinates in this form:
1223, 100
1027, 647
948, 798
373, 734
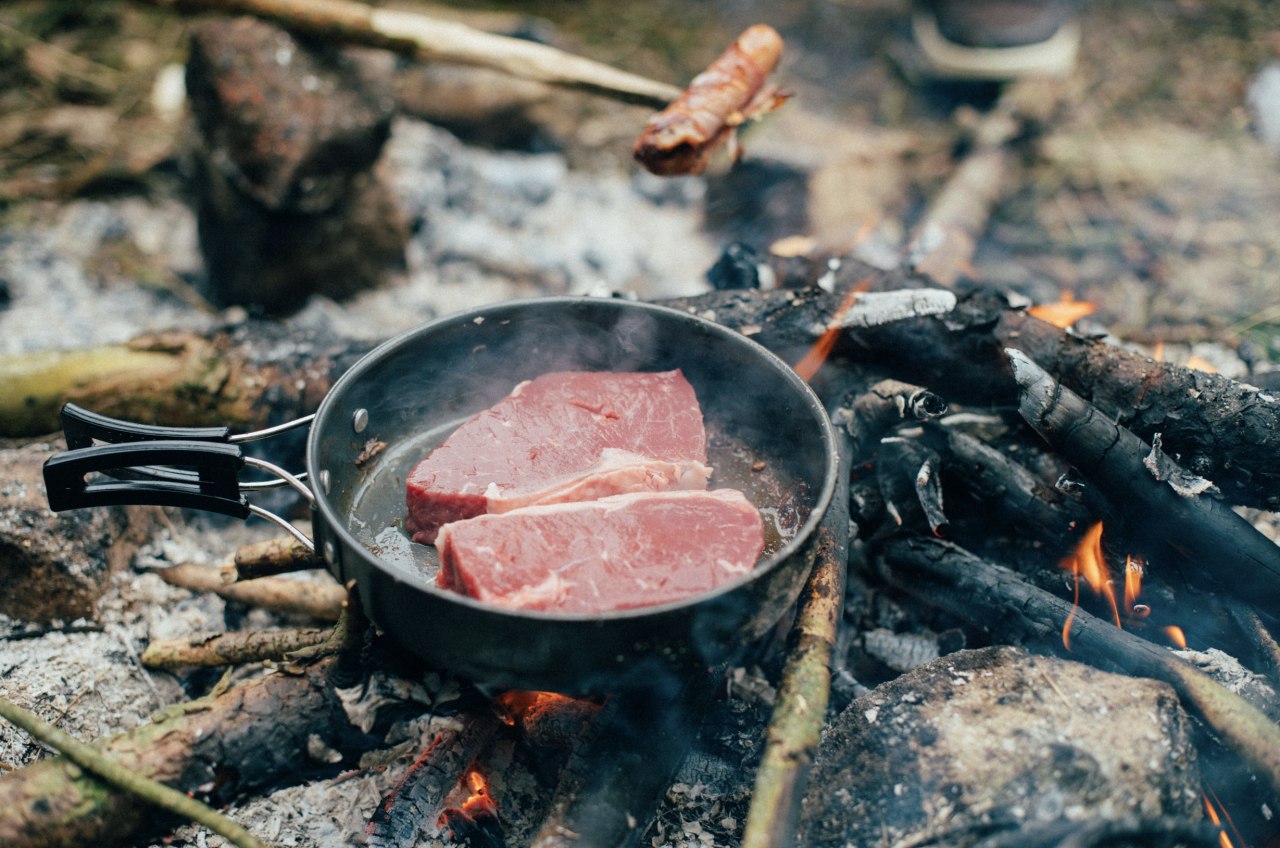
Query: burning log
432, 39
1221, 429
614, 777
321, 601
231, 648
411, 808
995, 598
1138, 480
254, 735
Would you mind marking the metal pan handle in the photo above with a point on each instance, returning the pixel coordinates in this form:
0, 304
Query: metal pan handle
192, 467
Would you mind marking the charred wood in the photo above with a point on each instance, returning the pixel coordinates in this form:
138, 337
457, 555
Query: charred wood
992, 477
255, 735
994, 598
1158, 493
612, 781
1218, 428
805, 688
409, 811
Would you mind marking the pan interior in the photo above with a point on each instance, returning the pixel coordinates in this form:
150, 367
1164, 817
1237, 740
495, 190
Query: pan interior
767, 435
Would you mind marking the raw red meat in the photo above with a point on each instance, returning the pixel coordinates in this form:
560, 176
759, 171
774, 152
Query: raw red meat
615, 553
564, 436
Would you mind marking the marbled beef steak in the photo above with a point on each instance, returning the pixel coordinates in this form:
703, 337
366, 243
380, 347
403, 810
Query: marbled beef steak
563, 436
615, 553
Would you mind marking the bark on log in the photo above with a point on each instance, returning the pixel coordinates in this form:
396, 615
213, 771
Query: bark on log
1198, 526
255, 735
321, 601
246, 376
998, 600
1219, 428
231, 648
270, 558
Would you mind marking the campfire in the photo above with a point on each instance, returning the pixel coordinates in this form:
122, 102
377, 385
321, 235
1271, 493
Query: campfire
1040, 607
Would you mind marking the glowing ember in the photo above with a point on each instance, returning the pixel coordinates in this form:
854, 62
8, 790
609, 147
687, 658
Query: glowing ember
1176, 636
515, 704
1065, 312
812, 361
477, 814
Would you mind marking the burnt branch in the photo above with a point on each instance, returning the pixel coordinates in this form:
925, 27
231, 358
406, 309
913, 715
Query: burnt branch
1218, 428
997, 599
1197, 526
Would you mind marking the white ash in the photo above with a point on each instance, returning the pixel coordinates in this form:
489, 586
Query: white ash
1228, 671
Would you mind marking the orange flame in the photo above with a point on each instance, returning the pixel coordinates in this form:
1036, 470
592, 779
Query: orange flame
1199, 363
1211, 810
812, 361
478, 806
1065, 312
1087, 562
1133, 569
1176, 636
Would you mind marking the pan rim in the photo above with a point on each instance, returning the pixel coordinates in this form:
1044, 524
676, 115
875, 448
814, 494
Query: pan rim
337, 525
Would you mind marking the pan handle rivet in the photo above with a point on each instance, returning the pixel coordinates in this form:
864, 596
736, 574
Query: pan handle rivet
329, 550
360, 420
324, 480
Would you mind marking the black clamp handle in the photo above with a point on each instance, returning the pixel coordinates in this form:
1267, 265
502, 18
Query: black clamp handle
211, 483
82, 428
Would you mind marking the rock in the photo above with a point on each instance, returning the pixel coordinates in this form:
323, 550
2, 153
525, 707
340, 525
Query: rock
1263, 100
56, 565
996, 740
287, 197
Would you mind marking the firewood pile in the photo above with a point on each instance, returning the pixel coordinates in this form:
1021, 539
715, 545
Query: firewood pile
1042, 609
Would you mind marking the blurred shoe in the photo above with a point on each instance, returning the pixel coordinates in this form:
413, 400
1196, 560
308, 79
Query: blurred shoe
996, 39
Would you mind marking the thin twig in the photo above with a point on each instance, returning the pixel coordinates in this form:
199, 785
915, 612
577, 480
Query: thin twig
92, 760
432, 39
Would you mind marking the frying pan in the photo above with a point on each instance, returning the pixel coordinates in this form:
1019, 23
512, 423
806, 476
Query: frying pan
768, 435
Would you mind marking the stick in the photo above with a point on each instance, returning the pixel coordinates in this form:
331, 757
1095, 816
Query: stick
93, 760
270, 558
321, 601
947, 236
995, 598
432, 39
52, 802
230, 648
801, 708
1198, 526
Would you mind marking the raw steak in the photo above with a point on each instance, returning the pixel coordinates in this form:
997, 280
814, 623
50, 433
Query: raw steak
564, 436
615, 553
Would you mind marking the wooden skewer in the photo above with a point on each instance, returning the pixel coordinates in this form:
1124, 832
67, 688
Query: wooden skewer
432, 39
